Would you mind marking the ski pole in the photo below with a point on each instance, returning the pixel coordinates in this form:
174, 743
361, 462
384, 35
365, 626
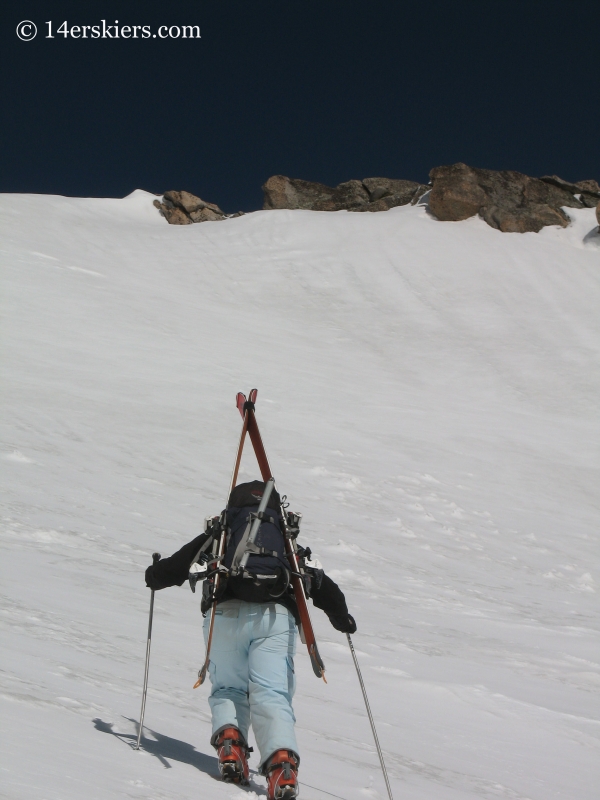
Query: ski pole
371, 720
155, 559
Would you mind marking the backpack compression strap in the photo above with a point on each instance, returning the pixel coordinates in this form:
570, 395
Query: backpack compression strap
242, 551
246, 546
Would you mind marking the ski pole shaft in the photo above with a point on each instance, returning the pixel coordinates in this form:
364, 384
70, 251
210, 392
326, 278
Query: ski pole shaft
203, 671
371, 720
155, 559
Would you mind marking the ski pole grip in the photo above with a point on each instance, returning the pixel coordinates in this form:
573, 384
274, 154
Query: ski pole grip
155, 557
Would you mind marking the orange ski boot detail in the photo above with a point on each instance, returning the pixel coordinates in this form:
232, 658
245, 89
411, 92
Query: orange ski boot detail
233, 757
282, 775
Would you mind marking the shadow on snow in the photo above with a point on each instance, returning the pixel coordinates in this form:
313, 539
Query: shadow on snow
165, 748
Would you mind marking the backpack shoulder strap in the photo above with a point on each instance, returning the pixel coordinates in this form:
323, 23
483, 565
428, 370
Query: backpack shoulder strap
203, 549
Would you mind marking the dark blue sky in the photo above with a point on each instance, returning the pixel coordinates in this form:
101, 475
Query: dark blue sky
325, 91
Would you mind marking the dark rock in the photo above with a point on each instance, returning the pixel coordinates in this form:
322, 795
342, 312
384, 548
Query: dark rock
589, 186
282, 192
456, 193
554, 180
575, 188
588, 191
508, 201
532, 218
183, 208
384, 203
589, 200
350, 195
370, 194
388, 193
389, 187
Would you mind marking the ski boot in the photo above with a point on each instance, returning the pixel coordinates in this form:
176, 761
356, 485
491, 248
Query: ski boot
233, 752
281, 771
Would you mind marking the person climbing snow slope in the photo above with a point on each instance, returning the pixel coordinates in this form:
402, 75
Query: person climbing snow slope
251, 663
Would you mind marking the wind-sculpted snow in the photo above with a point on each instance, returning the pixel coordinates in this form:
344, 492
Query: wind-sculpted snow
428, 396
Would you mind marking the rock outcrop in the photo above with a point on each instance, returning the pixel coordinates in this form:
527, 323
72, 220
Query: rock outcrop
370, 194
183, 208
508, 201
588, 192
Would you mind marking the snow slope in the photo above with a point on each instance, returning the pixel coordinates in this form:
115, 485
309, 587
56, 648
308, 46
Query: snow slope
428, 394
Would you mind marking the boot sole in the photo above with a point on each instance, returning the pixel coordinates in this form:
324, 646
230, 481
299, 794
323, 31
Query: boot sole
231, 774
289, 793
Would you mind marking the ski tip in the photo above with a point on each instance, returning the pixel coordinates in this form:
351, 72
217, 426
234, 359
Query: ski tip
316, 662
202, 674
242, 403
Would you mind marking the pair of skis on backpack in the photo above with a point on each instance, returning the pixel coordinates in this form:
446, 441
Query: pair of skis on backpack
246, 407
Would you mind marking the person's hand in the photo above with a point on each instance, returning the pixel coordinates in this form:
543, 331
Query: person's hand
151, 581
344, 623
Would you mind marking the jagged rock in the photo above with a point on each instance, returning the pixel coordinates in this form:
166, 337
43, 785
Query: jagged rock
173, 215
190, 203
379, 188
533, 217
574, 188
508, 201
588, 191
205, 215
589, 200
350, 195
283, 192
589, 186
183, 208
386, 193
370, 194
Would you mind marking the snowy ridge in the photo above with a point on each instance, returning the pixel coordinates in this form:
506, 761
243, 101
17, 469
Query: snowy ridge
428, 398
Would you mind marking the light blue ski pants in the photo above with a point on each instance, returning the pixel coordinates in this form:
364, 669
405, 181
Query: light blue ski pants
252, 673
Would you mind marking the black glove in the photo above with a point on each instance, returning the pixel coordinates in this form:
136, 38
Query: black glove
344, 623
152, 582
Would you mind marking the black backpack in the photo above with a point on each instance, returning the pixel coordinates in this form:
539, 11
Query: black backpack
267, 573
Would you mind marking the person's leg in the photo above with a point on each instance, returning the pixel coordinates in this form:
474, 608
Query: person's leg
228, 669
271, 678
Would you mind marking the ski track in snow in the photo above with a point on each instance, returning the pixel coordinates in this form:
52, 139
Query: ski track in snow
428, 398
